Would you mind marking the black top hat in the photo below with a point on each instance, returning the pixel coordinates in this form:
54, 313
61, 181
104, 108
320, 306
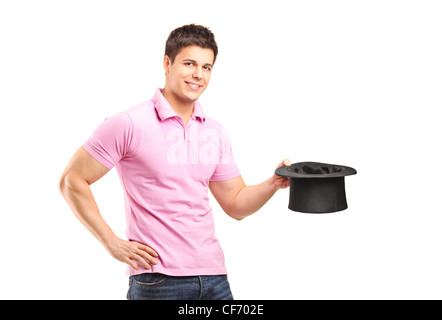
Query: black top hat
316, 187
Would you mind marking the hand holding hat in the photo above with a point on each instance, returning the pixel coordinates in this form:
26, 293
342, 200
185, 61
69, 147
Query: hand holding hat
281, 182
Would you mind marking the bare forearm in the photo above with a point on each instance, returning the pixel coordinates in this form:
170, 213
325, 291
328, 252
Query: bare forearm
80, 199
251, 198
239, 200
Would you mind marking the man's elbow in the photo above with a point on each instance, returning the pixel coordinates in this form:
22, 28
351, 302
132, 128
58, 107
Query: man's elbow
236, 214
62, 184
65, 184
68, 183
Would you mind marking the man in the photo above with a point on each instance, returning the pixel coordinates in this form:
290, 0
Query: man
168, 154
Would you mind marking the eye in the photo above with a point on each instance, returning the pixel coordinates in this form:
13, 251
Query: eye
207, 68
188, 63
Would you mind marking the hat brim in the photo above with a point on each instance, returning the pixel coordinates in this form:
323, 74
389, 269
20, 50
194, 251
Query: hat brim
314, 170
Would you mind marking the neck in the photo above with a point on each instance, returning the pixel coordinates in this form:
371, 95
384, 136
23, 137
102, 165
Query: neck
182, 108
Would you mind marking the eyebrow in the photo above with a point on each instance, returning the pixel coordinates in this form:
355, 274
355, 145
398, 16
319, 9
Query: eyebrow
196, 62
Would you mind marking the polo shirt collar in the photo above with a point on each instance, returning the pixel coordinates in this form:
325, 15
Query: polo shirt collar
165, 111
198, 111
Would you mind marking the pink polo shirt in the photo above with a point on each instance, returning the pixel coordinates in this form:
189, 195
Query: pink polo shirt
165, 169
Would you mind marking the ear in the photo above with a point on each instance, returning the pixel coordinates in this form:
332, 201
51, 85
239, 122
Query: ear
166, 63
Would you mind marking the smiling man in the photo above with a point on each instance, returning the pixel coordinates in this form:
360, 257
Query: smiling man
168, 154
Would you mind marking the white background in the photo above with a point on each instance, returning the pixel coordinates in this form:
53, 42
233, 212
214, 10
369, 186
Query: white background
356, 83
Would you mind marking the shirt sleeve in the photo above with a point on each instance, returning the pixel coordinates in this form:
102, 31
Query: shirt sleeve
226, 168
111, 140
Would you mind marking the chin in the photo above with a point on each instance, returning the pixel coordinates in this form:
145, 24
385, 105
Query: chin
192, 96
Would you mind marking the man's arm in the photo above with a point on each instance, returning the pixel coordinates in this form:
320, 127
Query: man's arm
82, 171
239, 200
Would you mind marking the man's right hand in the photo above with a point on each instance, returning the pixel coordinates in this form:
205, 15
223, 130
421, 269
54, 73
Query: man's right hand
132, 252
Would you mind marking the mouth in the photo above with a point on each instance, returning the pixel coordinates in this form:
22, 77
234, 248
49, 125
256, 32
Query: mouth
193, 86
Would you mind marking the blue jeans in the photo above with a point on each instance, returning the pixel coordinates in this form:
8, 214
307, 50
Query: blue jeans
157, 286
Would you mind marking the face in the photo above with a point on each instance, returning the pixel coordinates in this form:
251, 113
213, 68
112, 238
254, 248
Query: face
189, 75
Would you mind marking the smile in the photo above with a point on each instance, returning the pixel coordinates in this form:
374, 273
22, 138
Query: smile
193, 86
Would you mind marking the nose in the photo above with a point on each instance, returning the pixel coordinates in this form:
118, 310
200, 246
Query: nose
198, 74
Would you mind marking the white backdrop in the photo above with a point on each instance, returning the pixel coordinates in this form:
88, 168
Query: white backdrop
356, 83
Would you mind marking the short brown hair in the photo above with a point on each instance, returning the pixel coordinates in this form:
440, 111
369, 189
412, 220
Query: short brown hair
189, 35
